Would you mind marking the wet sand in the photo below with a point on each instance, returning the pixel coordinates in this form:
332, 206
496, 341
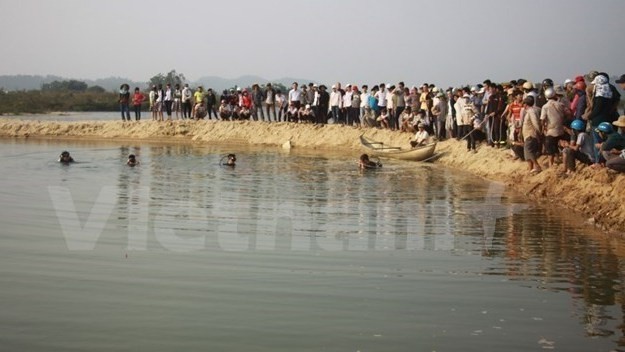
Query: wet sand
595, 194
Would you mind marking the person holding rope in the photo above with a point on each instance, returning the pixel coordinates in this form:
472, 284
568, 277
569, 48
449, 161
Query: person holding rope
468, 113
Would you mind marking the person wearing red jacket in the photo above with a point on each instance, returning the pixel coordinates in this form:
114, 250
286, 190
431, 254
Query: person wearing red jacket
137, 100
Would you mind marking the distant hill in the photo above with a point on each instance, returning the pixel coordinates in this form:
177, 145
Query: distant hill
33, 82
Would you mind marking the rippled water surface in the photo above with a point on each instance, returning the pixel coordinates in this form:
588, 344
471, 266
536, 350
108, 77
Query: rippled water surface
289, 251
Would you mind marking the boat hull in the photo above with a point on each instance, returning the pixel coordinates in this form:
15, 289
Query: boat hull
379, 150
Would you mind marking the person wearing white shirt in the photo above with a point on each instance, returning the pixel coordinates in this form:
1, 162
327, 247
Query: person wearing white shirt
381, 96
169, 99
421, 137
347, 103
186, 101
364, 100
336, 103
295, 96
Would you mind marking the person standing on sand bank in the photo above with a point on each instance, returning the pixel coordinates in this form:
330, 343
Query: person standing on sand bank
257, 103
169, 100
137, 100
295, 95
324, 105
531, 132
270, 102
124, 101
153, 95
211, 102
160, 95
177, 106
552, 118
281, 104
186, 101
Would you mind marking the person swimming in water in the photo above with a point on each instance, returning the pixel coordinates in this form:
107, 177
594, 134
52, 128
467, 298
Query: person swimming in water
365, 163
231, 161
132, 160
65, 158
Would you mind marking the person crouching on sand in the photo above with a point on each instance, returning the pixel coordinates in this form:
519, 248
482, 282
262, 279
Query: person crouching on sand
578, 148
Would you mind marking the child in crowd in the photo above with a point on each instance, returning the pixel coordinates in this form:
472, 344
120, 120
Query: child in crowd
383, 118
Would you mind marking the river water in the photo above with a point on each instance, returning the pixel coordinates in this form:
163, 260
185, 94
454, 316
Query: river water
288, 251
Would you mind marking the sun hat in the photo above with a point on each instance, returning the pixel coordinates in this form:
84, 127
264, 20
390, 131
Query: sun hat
591, 75
567, 81
621, 79
620, 122
559, 90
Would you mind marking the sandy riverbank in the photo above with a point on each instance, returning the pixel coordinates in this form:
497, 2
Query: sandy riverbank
597, 194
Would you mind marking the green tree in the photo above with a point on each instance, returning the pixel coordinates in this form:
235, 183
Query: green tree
96, 89
71, 85
172, 77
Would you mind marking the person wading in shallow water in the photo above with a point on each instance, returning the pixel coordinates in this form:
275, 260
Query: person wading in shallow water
365, 163
132, 160
231, 160
65, 158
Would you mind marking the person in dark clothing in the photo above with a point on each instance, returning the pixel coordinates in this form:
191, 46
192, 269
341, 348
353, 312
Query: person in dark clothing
211, 103
324, 105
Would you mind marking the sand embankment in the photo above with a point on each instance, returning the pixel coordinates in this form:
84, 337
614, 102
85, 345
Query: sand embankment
597, 194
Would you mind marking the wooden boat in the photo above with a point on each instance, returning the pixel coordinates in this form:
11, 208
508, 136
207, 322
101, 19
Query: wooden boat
379, 149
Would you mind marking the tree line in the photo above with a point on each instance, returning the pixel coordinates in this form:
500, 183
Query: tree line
71, 95
76, 96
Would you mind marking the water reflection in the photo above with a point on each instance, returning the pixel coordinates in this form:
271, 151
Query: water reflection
443, 223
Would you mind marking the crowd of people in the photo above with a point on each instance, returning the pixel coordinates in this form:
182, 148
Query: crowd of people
573, 122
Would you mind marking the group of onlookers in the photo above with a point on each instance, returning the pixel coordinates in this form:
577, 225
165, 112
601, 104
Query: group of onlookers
577, 121
573, 121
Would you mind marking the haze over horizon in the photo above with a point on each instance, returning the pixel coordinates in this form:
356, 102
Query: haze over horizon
447, 43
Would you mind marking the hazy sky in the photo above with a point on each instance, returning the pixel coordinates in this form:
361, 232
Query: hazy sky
445, 42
